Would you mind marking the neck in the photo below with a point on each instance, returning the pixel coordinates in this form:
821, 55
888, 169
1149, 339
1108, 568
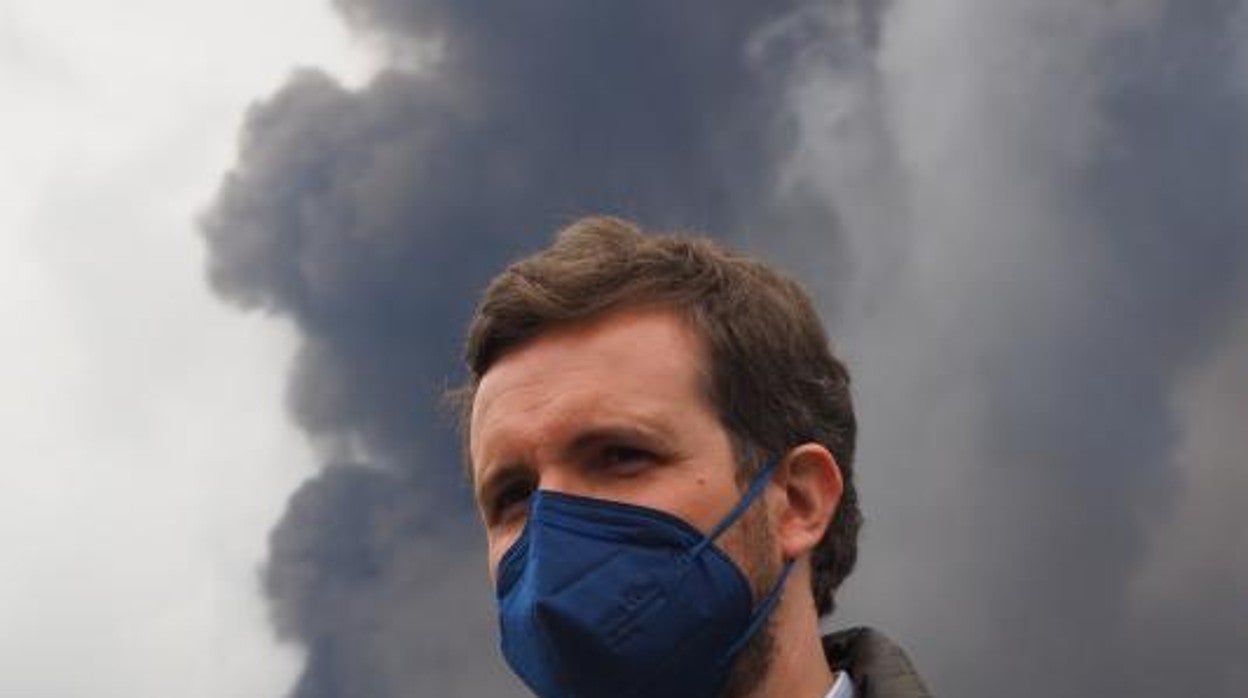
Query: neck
798, 668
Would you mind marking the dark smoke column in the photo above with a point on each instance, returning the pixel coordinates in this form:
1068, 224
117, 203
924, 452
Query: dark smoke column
370, 218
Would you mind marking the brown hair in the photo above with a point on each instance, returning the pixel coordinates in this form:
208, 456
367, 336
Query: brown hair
773, 379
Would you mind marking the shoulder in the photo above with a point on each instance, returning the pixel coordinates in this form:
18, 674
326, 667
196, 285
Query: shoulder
878, 666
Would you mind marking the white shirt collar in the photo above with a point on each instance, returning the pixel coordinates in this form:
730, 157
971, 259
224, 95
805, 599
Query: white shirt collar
843, 687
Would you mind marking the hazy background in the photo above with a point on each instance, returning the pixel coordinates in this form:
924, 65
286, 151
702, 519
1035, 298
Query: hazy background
1024, 222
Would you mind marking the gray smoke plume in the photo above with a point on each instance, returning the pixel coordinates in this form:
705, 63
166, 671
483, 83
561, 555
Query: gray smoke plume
372, 218
1025, 223
1045, 207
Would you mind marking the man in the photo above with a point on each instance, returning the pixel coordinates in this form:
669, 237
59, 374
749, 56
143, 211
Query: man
661, 449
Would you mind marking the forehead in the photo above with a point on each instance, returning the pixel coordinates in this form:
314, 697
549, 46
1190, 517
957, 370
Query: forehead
630, 365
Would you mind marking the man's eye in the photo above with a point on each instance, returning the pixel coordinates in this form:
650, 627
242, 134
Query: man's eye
624, 457
509, 500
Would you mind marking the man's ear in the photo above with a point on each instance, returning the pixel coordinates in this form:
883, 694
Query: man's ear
810, 482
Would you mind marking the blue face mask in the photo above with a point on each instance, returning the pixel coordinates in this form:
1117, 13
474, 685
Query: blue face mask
600, 599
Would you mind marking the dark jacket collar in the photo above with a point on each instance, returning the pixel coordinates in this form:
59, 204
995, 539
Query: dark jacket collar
879, 668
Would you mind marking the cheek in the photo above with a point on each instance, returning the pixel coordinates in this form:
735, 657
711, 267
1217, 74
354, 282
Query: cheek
752, 547
497, 544
707, 499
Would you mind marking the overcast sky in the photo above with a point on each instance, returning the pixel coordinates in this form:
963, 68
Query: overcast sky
146, 452
239, 240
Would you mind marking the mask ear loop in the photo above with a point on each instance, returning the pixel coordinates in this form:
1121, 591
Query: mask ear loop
756, 487
761, 613
763, 610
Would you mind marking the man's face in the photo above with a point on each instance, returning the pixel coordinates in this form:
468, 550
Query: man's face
613, 409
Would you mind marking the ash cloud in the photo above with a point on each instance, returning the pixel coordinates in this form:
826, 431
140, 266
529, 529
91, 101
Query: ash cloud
1049, 241
1025, 224
371, 218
